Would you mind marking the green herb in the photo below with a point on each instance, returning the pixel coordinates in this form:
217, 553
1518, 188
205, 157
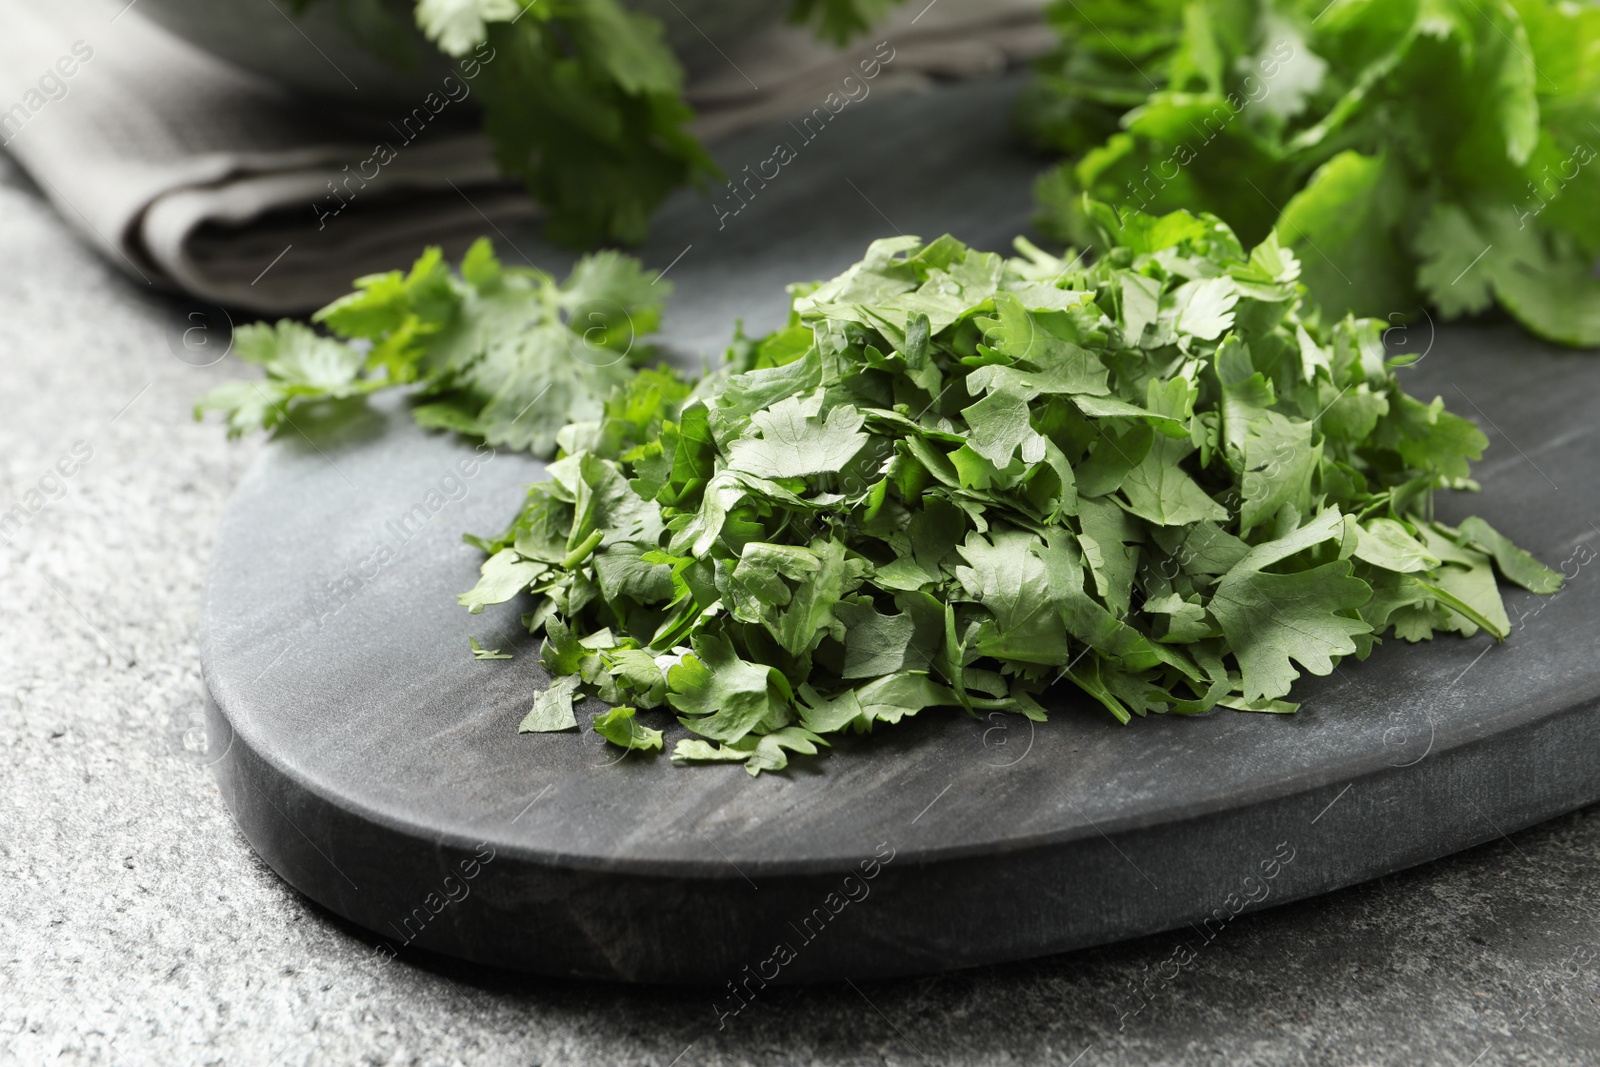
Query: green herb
953, 480
618, 727
501, 353
840, 20
1409, 150
481, 653
582, 99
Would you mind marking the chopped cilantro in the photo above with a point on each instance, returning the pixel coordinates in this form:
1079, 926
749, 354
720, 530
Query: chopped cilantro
955, 480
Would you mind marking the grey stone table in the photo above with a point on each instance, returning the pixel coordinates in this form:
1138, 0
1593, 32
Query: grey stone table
139, 927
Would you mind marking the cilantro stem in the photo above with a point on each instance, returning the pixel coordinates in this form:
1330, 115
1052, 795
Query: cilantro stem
581, 553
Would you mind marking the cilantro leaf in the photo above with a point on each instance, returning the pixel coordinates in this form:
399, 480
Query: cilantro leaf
769, 752
459, 26
1271, 619
552, 708
1160, 492
790, 439
839, 20
722, 696
619, 727
481, 653
299, 365
1513, 563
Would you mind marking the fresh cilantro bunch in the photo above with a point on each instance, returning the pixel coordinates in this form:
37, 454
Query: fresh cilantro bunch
582, 99
501, 353
954, 480
1409, 150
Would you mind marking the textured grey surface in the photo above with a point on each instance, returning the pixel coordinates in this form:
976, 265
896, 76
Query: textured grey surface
138, 926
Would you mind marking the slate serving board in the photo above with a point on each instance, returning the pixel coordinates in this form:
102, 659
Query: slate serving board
377, 767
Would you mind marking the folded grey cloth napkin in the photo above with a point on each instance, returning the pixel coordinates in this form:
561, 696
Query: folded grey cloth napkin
196, 176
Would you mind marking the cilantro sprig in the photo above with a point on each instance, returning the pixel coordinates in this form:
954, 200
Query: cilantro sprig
956, 480
583, 99
1409, 150
502, 353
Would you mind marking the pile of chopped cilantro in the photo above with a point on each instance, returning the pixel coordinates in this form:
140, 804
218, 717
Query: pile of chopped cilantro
501, 353
582, 99
955, 480
1409, 150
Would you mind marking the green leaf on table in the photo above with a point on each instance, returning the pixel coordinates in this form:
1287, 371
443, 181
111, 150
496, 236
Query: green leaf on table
1513, 563
481, 653
552, 708
503, 576
620, 728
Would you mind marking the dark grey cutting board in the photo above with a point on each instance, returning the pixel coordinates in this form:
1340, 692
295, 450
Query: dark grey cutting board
377, 767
